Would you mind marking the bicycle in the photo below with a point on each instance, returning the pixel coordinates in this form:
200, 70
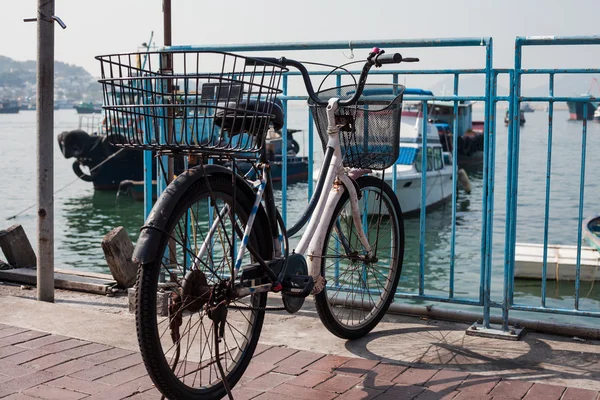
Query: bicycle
215, 244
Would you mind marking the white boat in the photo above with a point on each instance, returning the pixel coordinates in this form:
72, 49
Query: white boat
597, 114
561, 262
408, 169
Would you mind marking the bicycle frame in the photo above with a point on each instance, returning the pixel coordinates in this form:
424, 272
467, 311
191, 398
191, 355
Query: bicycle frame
312, 240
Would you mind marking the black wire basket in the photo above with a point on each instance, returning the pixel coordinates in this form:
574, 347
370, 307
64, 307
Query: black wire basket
213, 103
370, 129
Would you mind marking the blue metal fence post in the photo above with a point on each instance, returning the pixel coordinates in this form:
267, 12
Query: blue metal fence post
423, 225
485, 245
284, 143
547, 202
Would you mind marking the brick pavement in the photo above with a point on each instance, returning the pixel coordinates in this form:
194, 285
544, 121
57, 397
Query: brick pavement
36, 365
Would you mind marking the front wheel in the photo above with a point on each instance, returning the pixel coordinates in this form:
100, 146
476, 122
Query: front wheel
359, 288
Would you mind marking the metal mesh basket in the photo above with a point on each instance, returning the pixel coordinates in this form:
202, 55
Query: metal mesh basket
214, 103
370, 131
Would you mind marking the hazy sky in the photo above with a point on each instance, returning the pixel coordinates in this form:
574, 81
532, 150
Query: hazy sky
108, 26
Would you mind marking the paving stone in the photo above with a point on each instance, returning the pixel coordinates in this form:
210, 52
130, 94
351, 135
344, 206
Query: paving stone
310, 379
24, 356
11, 330
152, 396
53, 393
124, 375
356, 367
339, 384
70, 367
479, 384
511, 389
288, 370
267, 382
378, 384
18, 396
4, 378
361, 393
9, 351
275, 355
275, 396
328, 363
579, 394
446, 381
471, 396
541, 391
91, 374
21, 337
257, 368
124, 362
63, 345
415, 376
386, 372
47, 361
78, 385
401, 392
25, 382
106, 356
243, 393
13, 370
301, 359
85, 350
43, 341
303, 393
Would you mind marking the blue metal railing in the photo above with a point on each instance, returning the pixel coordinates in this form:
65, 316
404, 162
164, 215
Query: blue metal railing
490, 98
513, 176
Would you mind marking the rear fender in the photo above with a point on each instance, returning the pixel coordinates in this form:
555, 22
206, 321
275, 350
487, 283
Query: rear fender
148, 244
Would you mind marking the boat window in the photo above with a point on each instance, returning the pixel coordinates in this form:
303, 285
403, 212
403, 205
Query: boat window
437, 159
429, 160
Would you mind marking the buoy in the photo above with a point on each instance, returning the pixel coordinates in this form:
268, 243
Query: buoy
463, 180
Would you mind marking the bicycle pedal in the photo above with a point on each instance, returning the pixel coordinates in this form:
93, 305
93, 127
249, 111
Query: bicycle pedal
297, 285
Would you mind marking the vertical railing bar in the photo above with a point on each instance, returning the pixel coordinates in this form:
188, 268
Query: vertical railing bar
485, 245
284, 152
509, 198
492, 174
547, 204
455, 189
422, 226
515, 176
581, 198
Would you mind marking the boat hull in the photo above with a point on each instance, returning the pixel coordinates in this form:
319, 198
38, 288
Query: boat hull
576, 112
10, 110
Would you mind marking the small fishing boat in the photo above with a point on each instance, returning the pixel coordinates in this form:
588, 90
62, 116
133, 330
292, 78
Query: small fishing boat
9, 107
441, 113
521, 118
88, 108
576, 108
526, 107
591, 231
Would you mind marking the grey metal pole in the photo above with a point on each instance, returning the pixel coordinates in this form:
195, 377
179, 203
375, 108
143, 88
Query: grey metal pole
45, 147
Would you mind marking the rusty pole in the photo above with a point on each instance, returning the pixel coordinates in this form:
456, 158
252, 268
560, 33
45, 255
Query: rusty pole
170, 89
45, 147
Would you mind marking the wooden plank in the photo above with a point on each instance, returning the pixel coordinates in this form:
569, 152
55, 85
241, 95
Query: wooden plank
16, 247
27, 276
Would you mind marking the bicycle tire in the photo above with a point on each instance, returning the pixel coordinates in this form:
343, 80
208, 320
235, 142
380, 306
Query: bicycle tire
341, 271
148, 324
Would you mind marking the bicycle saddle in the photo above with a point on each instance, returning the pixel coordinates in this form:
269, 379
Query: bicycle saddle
242, 116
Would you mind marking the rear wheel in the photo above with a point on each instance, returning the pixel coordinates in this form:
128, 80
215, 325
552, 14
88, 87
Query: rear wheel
183, 356
359, 289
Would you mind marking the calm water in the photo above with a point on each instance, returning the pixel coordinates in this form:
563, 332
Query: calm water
83, 217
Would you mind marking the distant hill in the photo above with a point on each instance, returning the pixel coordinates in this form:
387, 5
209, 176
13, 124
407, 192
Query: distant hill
20, 73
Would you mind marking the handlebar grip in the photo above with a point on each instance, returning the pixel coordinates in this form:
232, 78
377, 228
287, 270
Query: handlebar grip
395, 58
410, 59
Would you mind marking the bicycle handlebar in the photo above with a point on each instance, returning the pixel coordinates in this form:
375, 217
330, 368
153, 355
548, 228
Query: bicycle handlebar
376, 58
